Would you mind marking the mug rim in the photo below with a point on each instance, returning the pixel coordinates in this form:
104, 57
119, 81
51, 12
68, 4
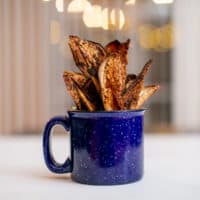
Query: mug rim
112, 111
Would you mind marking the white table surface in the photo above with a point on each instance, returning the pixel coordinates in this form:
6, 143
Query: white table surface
172, 172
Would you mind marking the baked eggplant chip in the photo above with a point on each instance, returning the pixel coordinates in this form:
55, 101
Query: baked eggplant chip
144, 95
72, 89
112, 75
87, 55
79, 78
121, 48
103, 82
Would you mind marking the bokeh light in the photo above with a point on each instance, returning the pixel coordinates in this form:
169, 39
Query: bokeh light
55, 32
92, 16
77, 6
117, 18
163, 1
130, 2
59, 5
105, 19
160, 39
167, 41
147, 38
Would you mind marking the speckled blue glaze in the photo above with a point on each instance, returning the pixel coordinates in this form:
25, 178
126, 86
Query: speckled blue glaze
106, 147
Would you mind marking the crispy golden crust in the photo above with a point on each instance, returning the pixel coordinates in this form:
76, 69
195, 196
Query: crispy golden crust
88, 55
145, 69
121, 48
106, 92
93, 53
77, 54
116, 74
104, 82
113, 46
131, 93
112, 76
145, 93
79, 78
82, 90
72, 89
108, 99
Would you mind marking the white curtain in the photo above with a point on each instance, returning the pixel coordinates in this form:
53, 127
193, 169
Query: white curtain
34, 53
186, 66
24, 84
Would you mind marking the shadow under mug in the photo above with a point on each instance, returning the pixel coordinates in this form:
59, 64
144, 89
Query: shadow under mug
106, 147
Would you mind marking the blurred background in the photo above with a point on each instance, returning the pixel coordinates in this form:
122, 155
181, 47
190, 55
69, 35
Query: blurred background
34, 53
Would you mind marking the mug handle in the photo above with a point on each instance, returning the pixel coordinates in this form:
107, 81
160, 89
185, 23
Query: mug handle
52, 165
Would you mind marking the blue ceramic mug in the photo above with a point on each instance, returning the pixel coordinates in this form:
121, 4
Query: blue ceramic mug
106, 147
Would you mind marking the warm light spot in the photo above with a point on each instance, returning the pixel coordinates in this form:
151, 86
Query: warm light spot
130, 2
157, 37
146, 36
54, 32
77, 6
105, 19
163, 1
113, 17
117, 18
160, 39
46, 0
92, 16
167, 40
59, 5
